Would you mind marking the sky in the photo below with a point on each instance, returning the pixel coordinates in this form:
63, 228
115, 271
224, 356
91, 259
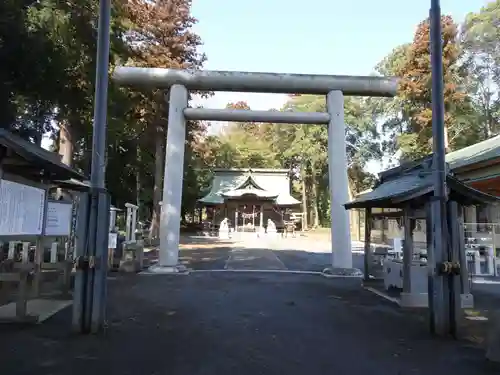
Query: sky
316, 37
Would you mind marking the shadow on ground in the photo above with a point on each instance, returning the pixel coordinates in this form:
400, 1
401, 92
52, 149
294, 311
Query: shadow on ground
300, 260
246, 324
198, 258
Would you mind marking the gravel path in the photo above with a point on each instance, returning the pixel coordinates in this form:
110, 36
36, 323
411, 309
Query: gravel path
212, 323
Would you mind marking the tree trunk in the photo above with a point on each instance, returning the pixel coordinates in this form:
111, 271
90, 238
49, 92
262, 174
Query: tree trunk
66, 145
304, 200
138, 184
353, 214
154, 229
314, 198
65, 149
160, 141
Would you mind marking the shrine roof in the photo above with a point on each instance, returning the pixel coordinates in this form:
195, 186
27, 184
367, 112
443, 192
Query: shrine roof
30, 161
272, 184
477, 153
413, 182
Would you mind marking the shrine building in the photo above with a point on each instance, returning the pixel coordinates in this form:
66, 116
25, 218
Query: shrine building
249, 198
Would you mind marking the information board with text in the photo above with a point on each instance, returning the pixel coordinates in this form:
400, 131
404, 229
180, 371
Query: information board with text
58, 219
21, 209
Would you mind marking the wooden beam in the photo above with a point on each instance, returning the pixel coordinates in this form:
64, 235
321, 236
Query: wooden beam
368, 255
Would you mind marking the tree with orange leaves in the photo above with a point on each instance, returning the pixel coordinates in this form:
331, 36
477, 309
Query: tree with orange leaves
415, 91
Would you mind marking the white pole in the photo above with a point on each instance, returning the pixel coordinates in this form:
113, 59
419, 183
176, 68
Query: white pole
53, 252
12, 250
134, 224
339, 193
477, 263
128, 224
172, 183
490, 264
25, 252
236, 220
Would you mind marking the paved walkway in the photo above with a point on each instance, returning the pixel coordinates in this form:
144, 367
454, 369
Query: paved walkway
292, 254
214, 323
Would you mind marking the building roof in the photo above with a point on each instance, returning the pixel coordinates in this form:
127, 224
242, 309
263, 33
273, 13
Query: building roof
477, 153
29, 160
413, 182
271, 184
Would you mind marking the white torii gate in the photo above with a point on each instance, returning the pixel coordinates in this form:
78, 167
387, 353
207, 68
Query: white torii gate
180, 81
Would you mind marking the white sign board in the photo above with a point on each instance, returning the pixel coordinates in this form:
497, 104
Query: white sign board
112, 240
21, 209
58, 219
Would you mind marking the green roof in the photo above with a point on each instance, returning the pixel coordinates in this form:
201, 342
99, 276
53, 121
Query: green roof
477, 153
272, 184
409, 182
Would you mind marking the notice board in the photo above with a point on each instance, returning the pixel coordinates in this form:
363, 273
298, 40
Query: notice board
21, 209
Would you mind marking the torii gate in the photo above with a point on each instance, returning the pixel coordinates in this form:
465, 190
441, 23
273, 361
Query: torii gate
180, 81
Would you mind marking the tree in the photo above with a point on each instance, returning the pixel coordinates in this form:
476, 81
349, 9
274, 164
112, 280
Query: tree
28, 91
480, 42
160, 34
415, 90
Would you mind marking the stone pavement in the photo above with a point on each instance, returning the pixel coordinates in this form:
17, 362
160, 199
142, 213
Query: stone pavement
214, 323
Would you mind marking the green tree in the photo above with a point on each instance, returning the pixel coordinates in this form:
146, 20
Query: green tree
480, 43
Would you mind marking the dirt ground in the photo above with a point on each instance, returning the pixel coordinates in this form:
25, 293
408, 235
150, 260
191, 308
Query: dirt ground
215, 321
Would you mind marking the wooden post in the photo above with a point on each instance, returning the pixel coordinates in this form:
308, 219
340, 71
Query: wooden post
22, 294
429, 225
462, 258
37, 277
454, 281
368, 253
407, 250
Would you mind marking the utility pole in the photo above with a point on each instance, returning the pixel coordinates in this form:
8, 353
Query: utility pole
439, 292
90, 284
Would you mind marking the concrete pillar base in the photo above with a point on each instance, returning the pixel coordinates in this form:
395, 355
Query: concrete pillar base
224, 235
422, 300
467, 301
414, 300
168, 270
332, 272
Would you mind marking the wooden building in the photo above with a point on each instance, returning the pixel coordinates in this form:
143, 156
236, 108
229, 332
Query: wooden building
248, 198
477, 166
407, 192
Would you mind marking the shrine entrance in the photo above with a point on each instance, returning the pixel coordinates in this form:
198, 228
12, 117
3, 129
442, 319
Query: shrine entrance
249, 217
180, 82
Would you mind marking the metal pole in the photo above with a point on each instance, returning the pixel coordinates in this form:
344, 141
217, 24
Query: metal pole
98, 168
440, 315
98, 223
